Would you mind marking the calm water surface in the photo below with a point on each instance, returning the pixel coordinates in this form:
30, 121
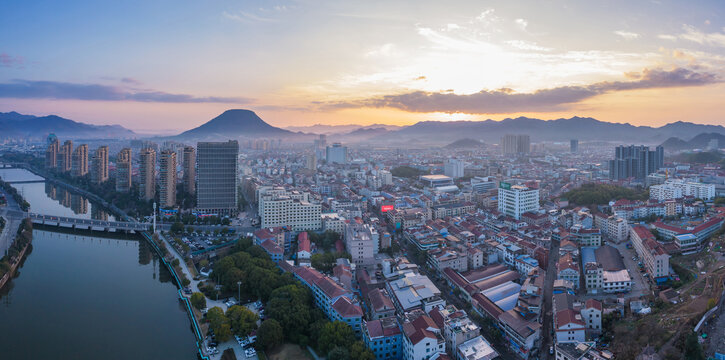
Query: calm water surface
81, 297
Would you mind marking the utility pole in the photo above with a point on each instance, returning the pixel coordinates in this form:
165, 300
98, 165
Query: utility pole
154, 217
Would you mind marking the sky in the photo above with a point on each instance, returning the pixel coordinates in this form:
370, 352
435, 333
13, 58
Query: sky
164, 66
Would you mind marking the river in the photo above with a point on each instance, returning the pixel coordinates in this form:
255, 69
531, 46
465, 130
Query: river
81, 295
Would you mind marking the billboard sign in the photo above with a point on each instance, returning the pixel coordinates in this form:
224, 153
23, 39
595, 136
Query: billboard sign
386, 208
504, 185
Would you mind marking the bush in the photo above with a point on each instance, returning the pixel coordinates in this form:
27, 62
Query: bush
198, 300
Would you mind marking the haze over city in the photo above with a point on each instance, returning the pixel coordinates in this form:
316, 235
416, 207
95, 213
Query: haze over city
167, 66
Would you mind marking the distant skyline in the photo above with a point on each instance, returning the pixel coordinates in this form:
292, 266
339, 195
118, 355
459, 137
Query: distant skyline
168, 66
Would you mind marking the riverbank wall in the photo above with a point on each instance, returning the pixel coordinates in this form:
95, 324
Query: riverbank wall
184, 299
16, 261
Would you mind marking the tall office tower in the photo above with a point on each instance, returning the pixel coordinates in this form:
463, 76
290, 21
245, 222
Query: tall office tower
123, 170
514, 200
216, 191
635, 161
336, 154
147, 174
190, 170
453, 168
167, 179
65, 156
99, 165
574, 145
515, 144
79, 161
311, 163
51, 152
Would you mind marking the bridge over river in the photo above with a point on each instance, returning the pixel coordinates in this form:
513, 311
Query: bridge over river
105, 225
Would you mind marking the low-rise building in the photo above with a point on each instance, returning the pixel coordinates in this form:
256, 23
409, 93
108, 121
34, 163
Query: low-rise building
384, 338
656, 260
422, 338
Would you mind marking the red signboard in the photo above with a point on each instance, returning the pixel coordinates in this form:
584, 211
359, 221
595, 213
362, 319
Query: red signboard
386, 208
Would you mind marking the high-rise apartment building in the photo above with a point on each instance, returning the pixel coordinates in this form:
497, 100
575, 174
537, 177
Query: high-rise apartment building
99, 165
574, 145
79, 161
516, 144
51, 152
336, 154
190, 170
123, 170
167, 179
147, 174
65, 155
635, 161
514, 200
311, 162
216, 191
453, 168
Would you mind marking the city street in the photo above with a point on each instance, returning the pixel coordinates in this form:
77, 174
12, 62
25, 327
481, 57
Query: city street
547, 318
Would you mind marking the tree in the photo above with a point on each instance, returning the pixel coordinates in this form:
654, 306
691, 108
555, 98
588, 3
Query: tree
291, 306
334, 334
198, 300
242, 320
270, 334
223, 333
216, 317
693, 349
338, 353
177, 228
358, 351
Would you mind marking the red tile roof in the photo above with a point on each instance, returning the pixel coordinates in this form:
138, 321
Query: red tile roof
271, 247
593, 303
346, 308
303, 242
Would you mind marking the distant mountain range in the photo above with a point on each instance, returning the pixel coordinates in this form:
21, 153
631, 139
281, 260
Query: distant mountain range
241, 123
338, 129
701, 141
586, 129
15, 125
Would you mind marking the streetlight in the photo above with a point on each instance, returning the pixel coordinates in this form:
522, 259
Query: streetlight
239, 291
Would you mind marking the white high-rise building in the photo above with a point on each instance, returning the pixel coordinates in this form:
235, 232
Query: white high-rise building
387, 177
514, 200
453, 168
278, 207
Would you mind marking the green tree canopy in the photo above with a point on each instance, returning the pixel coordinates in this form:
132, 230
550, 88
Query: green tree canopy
242, 320
198, 300
335, 334
270, 334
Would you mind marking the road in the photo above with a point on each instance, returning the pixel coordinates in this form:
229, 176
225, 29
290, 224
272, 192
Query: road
547, 318
10, 214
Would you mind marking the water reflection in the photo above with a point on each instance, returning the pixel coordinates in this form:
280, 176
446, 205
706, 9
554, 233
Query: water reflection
86, 297
79, 204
